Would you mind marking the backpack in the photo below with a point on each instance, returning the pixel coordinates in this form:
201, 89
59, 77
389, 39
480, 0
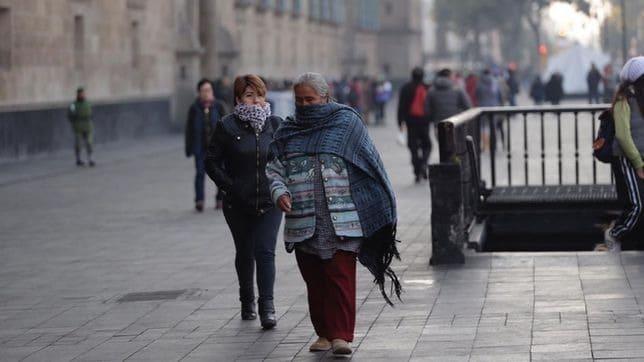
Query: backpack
603, 143
417, 107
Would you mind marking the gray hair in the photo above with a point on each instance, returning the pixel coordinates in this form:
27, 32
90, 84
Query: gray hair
313, 80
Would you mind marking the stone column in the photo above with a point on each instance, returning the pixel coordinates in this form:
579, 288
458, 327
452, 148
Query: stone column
448, 218
188, 63
448, 231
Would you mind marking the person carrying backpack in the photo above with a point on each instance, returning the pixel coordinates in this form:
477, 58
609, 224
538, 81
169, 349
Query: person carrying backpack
413, 117
628, 167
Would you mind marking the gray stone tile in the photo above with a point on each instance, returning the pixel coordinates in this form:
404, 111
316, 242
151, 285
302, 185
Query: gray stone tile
60, 282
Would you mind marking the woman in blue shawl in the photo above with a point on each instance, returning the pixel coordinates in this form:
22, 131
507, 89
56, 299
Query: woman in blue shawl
330, 181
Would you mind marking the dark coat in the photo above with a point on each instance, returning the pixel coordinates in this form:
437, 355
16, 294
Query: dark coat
445, 100
593, 78
554, 89
537, 90
236, 161
407, 93
196, 127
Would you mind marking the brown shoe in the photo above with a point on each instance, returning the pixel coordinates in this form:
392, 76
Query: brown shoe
322, 344
601, 247
199, 206
341, 347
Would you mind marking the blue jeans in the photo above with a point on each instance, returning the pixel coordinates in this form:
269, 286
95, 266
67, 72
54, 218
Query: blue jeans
255, 238
200, 176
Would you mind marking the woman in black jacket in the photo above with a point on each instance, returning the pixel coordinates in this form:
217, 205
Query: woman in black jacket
236, 161
203, 114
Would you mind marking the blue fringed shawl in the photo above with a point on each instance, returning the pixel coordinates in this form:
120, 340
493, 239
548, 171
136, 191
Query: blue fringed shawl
336, 129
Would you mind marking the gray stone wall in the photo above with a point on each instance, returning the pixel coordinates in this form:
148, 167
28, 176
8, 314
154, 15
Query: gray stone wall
45, 129
114, 48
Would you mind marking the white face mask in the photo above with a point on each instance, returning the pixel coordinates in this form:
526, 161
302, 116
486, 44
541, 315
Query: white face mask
254, 114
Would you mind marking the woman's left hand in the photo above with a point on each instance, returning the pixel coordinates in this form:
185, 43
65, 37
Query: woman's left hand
640, 173
284, 203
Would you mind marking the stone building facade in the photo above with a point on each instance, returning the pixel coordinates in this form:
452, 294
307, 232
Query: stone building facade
140, 59
116, 49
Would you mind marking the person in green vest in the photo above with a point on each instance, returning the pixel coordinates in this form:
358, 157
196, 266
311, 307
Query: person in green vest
80, 117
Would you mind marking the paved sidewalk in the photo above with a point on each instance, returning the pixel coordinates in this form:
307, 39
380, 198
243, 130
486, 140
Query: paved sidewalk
74, 241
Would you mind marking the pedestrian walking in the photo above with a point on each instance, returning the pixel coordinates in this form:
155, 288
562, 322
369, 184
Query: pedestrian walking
79, 114
330, 181
537, 90
224, 93
445, 99
356, 96
236, 161
554, 89
488, 94
383, 94
628, 111
513, 86
593, 78
412, 116
203, 114
609, 81
471, 83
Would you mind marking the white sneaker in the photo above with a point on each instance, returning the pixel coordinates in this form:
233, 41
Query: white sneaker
613, 245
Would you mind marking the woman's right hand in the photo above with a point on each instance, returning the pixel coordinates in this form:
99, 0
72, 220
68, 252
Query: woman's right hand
284, 203
640, 173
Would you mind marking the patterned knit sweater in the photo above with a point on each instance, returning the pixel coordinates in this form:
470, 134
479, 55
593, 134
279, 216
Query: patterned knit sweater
338, 130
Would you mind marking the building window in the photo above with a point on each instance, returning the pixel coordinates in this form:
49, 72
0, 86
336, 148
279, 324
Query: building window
5, 43
325, 10
314, 9
243, 3
338, 11
281, 6
266, 4
79, 41
297, 7
368, 18
135, 34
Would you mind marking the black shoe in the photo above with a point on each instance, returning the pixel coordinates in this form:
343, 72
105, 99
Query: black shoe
417, 180
199, 206
267, 315
91, 164
248, 311
80, 163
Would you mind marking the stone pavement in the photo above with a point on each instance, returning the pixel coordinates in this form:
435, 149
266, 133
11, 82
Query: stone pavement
73, 242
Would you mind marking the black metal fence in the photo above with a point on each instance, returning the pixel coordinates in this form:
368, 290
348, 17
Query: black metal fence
519, 146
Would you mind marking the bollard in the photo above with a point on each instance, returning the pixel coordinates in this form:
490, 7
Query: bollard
448, 231
445, 182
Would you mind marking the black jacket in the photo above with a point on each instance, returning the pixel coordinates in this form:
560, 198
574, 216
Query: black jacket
236, 161
445, 100
197, 109
407, 93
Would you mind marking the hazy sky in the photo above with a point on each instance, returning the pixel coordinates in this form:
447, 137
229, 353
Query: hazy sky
565, 22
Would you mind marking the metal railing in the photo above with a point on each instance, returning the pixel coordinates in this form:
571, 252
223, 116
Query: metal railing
535, 145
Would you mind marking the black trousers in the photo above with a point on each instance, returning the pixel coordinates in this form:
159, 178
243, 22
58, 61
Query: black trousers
419, 144
255, 237
630, 192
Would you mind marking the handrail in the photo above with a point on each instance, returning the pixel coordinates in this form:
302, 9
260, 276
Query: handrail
473, 113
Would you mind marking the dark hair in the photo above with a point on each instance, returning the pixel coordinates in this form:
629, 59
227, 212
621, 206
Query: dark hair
445, 72
627, 89
203, 81
417, 74
249, 80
